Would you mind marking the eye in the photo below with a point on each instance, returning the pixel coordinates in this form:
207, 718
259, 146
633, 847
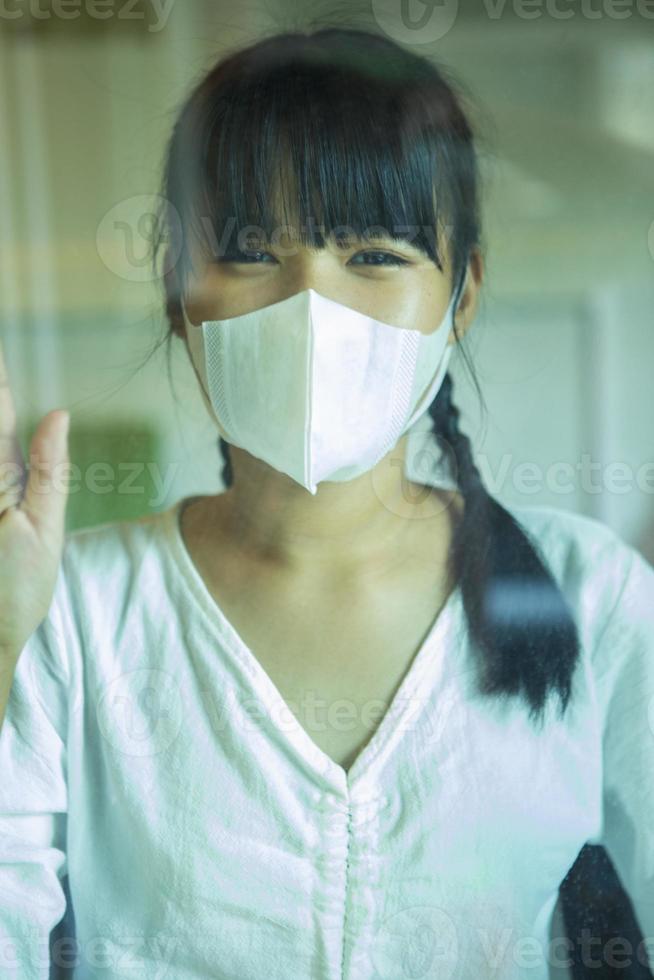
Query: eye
247, 256
387, 258
256, 256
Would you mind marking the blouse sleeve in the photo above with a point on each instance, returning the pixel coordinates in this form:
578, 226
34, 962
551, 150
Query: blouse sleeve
624, 659
33, 801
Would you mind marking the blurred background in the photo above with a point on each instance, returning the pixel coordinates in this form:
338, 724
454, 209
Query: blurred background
561, 95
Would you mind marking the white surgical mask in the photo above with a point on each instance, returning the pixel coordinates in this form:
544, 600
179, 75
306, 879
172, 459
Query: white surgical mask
314, 388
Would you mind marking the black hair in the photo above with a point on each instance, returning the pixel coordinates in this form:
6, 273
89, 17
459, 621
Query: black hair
377, 136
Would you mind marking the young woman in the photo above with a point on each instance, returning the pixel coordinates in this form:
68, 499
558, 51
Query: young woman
349, 717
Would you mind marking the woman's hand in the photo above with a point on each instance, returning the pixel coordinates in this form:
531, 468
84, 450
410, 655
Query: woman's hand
32, 519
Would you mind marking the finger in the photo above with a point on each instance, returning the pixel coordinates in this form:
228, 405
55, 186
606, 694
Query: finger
9, 500
46, 491
12, 485
10, 451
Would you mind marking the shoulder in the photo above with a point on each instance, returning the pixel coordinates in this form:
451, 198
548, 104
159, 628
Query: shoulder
102, 570
606, 581
573, 544
107, 566
116, 542
564, 532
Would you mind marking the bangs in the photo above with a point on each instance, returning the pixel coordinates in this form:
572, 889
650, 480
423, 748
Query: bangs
326, 142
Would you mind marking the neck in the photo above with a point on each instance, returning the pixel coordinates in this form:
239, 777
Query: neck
350, 528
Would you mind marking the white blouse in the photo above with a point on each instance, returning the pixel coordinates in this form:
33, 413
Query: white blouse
147, 755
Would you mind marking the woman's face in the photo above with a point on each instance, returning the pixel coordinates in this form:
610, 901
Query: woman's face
389, 280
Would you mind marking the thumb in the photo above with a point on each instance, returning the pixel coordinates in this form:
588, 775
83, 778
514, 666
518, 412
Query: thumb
46, 490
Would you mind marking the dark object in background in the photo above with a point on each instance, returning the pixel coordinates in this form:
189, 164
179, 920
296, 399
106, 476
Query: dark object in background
592, 898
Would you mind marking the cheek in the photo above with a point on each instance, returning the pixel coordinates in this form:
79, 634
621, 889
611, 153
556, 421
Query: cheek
418, 302
424, 310
204, 291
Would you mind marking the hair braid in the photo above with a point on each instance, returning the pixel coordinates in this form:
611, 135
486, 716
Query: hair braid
525, 636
